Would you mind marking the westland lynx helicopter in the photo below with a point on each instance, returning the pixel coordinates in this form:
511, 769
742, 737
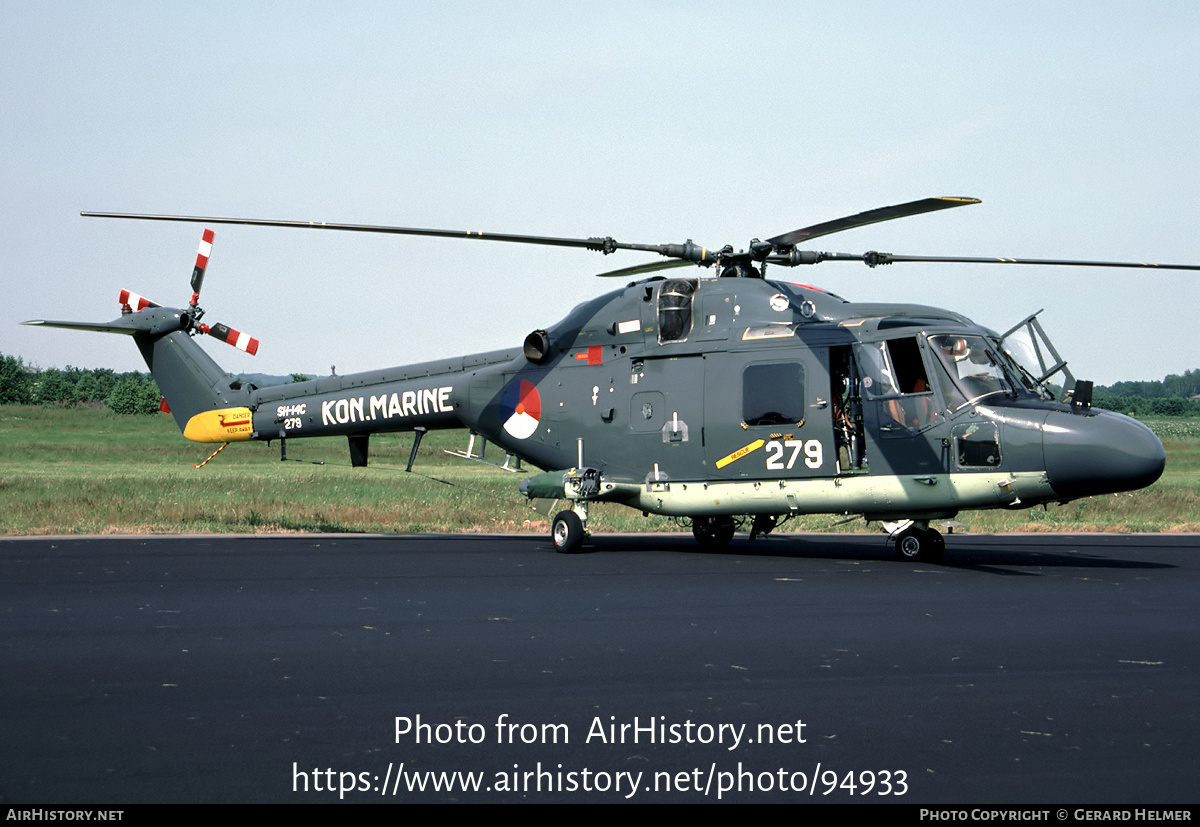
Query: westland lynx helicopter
721, 401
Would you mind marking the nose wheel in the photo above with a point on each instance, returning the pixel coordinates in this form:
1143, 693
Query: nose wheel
567, 532
920, 544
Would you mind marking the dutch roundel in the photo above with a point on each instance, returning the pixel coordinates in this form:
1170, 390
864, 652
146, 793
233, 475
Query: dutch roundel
526, 405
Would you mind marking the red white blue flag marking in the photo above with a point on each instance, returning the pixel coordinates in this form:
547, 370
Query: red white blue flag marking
525, 403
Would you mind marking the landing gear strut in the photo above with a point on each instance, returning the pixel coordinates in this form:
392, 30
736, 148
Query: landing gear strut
920, 543
763, 525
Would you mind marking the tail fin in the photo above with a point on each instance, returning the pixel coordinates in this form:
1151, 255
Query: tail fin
188, 378
190, 381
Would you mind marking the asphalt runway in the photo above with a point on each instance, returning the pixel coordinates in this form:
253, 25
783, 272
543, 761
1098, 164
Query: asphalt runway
1057, 669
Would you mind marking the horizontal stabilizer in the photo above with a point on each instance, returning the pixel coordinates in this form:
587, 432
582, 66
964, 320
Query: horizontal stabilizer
156, 321
111, 327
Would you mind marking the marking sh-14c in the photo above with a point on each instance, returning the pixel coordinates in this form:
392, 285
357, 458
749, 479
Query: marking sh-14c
290, 415
396, 406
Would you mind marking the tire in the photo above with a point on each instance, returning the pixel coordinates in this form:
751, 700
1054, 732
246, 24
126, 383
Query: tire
567, 532
713, 532
920, 545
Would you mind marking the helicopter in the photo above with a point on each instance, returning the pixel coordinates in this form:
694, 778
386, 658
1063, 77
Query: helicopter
720, 399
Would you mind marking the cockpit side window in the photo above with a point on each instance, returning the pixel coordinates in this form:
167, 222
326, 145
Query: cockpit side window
971, 366
950, 393
894, 367
878, 374
894, 374
910, 370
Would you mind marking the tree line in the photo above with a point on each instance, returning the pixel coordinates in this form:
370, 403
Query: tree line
1173, 396
125, 393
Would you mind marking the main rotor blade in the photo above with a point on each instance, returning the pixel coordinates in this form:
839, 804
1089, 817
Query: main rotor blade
687, 251
639, 269
837, 225
1045, 261
874, 259
600, 244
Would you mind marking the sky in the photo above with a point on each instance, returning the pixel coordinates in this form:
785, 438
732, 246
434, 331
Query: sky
651, 122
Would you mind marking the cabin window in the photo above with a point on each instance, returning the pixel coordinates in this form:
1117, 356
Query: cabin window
773, 394
675, 309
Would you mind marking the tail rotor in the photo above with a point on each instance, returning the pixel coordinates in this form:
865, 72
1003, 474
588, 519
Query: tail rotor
229, 336
206, 242
131, 303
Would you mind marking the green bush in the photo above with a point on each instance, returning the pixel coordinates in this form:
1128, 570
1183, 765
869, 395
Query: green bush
16, 387
51, 387
134, 394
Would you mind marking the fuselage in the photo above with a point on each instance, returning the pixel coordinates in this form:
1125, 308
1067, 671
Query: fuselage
722, 396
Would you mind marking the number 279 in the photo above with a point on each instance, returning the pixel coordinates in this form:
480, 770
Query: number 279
813, 453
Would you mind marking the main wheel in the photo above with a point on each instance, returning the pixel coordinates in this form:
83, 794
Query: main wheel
920, 545
567, 532
713, 532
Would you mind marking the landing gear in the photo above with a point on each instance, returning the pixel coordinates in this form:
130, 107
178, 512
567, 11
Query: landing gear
713, 532
567, 532
920, 544
763, 525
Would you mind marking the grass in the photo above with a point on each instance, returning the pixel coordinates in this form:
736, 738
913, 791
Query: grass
88, 471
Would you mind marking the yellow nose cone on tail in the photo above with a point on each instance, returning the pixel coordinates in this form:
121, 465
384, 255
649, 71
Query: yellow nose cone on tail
225, 425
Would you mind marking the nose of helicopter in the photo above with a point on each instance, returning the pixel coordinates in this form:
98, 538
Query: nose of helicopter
1099, 454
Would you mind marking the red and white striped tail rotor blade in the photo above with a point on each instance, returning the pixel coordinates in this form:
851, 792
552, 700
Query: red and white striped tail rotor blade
134, 301
242, 341
206, 243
